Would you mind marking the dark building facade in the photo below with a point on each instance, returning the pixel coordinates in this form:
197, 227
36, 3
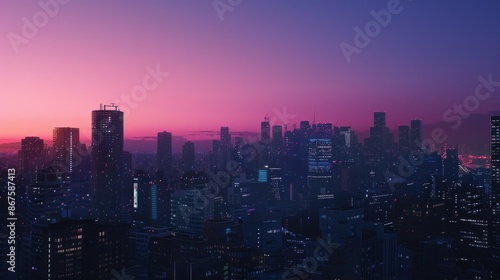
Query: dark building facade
107, 163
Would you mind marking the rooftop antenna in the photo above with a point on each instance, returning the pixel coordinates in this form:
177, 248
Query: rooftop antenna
112, 105
266, 118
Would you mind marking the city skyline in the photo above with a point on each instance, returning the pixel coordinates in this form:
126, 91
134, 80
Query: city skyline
476, 141
245, 140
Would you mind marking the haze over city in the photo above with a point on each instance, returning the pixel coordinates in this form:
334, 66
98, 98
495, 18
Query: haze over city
250, 140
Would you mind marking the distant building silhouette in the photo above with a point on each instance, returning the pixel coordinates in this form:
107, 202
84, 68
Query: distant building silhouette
416, 134
31, 157
164, 153
188, 155
404, 136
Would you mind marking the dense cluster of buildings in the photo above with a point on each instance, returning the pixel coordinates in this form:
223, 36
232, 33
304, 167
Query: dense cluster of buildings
313, 202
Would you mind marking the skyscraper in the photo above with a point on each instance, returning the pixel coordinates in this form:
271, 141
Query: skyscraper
164, 152
265, 130
320, 174
495, 188
107, 162
451, 164
66, 146
277, 135
188, 155
379, 119
225, 137
404, 136
225, 147
416, 134
31, 156
380, 136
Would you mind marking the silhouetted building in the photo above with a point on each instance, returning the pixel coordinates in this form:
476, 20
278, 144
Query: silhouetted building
66, 147
188, 155
265, 130
31, 157
451, 163
278, 135
320, 174
404, 136
224, 151
416, 134
495, 194
341, 230
164, 153
380, 137
192, 203
107, 163
46, 197
437, 259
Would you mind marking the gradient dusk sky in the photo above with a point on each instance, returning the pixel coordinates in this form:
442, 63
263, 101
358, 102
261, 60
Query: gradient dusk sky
263, 55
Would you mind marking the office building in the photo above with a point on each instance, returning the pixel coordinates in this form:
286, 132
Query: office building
404, 136
164, 153
107, 163
66, 147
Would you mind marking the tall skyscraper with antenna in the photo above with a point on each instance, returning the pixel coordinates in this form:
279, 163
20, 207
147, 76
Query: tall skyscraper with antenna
107, 163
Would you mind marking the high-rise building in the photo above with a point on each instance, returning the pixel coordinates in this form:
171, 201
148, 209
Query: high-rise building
416, 134
47, 195
277, 135
451, 163
188, 155
225, 137
305, 126
31, 156
66, 146
379, 119
495, 188
341, 228
404, 136
380, 136
320, 175
225, 148
324, 130
345, 133
77, 249
164, 153
265, 130
107, 163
